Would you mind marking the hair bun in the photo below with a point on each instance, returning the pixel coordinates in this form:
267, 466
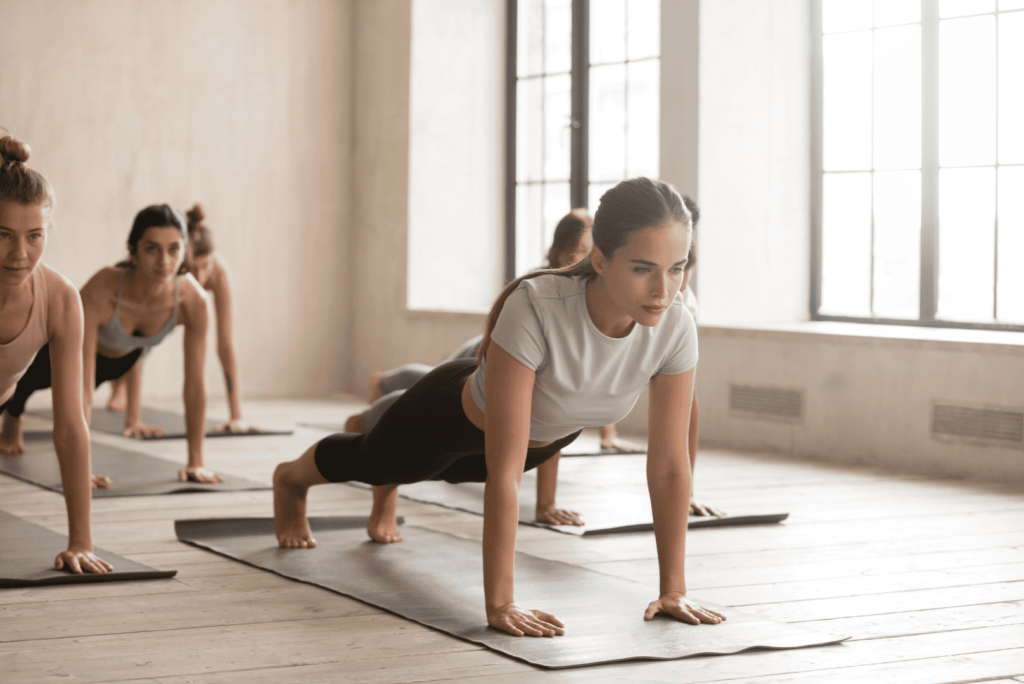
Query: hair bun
195, 216
14, 150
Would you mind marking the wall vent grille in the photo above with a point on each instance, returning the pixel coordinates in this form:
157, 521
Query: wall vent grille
768, 403
989, 424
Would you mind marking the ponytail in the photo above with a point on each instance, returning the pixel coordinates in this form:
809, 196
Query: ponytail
18, 183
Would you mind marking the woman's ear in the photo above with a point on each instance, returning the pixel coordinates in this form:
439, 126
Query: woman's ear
598, 260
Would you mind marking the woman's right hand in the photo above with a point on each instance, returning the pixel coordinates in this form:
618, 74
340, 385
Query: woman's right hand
198, 474
100, 482
558, 516
513, 620
142, 431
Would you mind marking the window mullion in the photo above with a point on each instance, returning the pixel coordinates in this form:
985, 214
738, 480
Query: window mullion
511, 71
929, 160
817, 115
579, 163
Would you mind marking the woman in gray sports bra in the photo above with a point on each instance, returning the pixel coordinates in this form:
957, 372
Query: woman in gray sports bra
132, 307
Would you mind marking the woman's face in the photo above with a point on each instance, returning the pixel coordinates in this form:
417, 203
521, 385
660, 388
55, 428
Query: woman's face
200, 268
22, 239
577, 253
159, 253
644, 275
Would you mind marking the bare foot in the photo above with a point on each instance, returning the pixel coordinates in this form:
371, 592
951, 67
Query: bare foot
354, 424
373, 391
383, 525
11, 443
290, 511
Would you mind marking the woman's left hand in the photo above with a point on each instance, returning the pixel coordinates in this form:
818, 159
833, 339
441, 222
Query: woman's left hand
700, 509
620, 445
236, 427
198, 474
558, 516
142, 430
682, 608
81, 560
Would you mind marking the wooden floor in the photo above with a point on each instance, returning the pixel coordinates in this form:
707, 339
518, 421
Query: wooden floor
927, 576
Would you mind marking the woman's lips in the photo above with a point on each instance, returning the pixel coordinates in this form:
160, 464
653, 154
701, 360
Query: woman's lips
654, 309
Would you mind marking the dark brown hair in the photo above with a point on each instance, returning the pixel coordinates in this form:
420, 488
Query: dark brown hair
567, 235
694, 210
18, 183
629, 207
200, 236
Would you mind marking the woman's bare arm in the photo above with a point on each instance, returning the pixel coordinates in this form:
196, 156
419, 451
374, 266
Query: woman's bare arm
509, 391
193, 315
547, 485
669, 480
220, 287
70, 434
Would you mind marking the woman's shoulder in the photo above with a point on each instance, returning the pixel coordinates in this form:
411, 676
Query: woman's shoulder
190, 292
103, 284
551, 286
60, 291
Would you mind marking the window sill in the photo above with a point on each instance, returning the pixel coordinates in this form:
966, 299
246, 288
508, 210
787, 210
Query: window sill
447, 314
863, 334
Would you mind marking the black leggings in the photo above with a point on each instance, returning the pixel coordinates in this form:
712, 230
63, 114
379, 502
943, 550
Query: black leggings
37, 376
425, 435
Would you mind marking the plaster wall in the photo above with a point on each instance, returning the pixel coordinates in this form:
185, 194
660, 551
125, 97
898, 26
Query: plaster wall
385, 331
243, 105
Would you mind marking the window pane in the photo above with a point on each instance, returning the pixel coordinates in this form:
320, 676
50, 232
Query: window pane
556, 205
1011, 4
607, 31
845, 15
557, 126
558, 36
959, 8
642, 119
529, 220
847, 101
1011, 245
607, 155
967, 91
846, 244
1011, 88
530, 47
966, 243
892, 12
897, 215
529, 130
643, 23
897, 133
594, 195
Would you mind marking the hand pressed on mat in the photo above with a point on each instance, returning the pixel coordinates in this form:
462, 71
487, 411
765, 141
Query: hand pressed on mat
678, 606
198, 474
142, 430
100, 482
518, 622
235, 427
558, 516
700, 509
81, 560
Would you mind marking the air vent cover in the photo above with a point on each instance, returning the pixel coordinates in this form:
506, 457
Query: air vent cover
767, 403
1002, 425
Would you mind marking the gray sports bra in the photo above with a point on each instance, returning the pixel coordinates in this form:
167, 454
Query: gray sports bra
112, 335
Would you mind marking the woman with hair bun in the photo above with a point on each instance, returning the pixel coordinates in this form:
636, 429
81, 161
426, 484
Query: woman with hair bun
562, 349
130, 308
41, 316
211, 272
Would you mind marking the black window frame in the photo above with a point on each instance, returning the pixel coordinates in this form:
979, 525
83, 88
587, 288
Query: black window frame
929, 264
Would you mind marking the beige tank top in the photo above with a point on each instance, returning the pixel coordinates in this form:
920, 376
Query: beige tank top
17, 355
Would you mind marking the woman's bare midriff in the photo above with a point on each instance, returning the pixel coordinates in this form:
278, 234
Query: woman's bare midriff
476, 416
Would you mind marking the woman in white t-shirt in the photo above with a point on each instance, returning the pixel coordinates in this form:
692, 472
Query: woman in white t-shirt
562, 350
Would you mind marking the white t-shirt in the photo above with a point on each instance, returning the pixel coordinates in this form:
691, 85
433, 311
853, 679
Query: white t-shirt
584, 378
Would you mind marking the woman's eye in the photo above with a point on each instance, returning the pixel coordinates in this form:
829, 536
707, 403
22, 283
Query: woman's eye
641, 269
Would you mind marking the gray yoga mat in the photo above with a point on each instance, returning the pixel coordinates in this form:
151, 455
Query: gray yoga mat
435, 579
604, 510
133, 474
27, 551
173, 424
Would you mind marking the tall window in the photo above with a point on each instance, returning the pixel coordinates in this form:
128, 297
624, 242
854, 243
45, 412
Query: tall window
583, 111
920, 189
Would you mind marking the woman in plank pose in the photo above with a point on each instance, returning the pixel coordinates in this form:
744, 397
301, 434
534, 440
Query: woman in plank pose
41, 315
211, 272
562, 349
572, 242
149, 294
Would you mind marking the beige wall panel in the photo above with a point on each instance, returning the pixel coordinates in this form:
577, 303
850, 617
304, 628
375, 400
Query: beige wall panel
243, 105
385, 333
866, 399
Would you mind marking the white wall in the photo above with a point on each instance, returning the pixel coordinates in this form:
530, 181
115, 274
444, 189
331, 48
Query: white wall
244, 105
456, 150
